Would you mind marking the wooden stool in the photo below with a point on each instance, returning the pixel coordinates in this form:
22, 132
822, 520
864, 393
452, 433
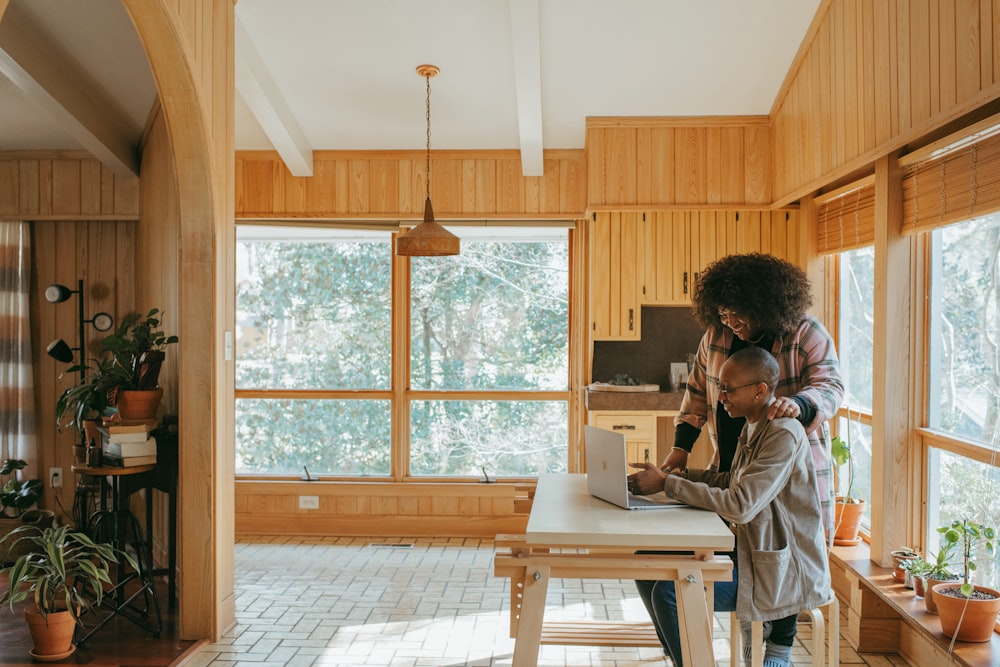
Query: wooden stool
819, 653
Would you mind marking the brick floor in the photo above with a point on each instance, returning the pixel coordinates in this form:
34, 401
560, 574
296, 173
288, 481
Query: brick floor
416, 602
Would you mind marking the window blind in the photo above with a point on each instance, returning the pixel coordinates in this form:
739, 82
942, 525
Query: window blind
845, 218
952, 183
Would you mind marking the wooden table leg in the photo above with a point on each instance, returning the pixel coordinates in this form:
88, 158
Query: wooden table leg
529, 626
693, 618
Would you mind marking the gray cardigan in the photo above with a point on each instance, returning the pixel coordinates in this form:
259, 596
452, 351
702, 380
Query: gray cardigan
770, 500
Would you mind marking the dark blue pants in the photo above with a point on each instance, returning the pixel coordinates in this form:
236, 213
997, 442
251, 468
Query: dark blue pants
660, 599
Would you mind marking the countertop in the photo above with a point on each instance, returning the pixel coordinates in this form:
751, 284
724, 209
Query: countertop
642, 401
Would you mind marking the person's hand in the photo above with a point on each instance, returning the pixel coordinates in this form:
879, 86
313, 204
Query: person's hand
677, 459
648, 480
783, 407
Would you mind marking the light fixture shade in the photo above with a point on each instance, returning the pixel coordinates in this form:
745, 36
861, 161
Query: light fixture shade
428, 239
60, 351
102, 321
57, 293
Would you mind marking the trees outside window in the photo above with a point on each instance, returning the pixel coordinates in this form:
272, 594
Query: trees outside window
963, 407
486, 387
855, 350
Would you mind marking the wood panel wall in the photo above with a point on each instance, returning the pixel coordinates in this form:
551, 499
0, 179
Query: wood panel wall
352, 508
873, 75
660, 162
63, 185
392, 185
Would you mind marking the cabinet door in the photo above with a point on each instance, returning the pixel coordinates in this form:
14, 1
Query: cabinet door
613, 264
666, 245
639, 431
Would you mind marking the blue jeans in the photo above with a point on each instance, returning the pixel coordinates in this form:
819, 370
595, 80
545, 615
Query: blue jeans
660, 599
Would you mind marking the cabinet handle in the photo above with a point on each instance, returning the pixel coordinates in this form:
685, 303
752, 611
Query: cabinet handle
631, 319
646, 457
685, 282
623, 427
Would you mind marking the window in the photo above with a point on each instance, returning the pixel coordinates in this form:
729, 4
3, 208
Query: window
855, 349
963, 397
486, 360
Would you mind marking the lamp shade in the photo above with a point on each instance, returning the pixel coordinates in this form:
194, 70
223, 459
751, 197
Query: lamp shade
60, 351
428, 239
57, 293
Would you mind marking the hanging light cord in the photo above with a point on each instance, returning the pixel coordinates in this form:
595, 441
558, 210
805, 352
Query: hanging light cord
428, 177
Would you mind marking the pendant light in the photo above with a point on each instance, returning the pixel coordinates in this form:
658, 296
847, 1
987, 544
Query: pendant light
428, 238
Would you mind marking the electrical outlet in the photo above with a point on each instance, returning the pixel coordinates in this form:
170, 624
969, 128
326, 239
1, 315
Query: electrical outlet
55, 478
308, 502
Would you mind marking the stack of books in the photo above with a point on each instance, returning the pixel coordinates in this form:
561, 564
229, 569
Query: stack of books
129, 445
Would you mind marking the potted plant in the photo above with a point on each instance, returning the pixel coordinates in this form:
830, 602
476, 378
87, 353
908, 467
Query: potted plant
138, 349
82, 405
901, 571
849, 509
134, 354
928, 573
16, 495
968, 612
63, 573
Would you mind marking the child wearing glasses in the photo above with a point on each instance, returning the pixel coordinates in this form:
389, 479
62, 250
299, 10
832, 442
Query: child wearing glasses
769, 499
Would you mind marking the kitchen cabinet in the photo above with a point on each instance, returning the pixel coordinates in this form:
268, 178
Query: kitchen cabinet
649, 435
655, 258
613, 265
639, 429
676, 246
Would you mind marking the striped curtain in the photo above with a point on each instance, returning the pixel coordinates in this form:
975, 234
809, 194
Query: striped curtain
17, 403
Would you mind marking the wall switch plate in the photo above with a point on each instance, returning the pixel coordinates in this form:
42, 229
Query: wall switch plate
308, 502
678, 374
55, 478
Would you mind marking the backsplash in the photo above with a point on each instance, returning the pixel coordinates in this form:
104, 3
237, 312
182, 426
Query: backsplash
669, 334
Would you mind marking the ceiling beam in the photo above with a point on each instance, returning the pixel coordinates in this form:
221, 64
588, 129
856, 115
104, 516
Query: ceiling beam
268, 106
528, 83
56, 87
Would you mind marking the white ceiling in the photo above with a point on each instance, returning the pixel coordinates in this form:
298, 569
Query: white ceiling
340, 74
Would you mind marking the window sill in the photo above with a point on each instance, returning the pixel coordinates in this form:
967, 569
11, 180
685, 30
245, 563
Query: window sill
884, 616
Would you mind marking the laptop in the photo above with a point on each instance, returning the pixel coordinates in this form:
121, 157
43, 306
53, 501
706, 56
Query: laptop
607, 472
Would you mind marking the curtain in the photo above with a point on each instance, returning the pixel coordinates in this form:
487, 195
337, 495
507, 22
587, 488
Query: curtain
17, 403
845, 218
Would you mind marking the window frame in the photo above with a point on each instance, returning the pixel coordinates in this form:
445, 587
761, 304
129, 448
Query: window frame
400, 395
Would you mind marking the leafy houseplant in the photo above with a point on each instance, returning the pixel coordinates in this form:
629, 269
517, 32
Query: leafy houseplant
16, 495
134, 354
63, 573
849, 509
968, 613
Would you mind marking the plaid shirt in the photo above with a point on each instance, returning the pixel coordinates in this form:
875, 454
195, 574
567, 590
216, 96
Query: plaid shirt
808, 368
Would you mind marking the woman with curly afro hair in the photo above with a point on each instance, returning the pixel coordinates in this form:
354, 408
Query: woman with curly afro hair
744, 301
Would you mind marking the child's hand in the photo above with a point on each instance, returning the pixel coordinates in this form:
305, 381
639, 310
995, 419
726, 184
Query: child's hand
648, 480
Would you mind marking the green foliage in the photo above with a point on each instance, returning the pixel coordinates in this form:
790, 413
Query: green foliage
968, 536
57, 567
134, 354
317, 315
137, 347
841, 453
17, 496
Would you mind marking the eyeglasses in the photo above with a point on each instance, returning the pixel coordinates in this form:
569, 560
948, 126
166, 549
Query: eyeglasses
726, 315
725, 389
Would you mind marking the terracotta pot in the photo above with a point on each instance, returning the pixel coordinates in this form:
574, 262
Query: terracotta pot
977, 616
52, 635
899, 558
139, 405
918, 586
929, 584
848, 522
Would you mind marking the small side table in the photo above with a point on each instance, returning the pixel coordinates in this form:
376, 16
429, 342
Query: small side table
119, 522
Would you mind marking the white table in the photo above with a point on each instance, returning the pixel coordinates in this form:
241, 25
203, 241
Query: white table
571, 534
